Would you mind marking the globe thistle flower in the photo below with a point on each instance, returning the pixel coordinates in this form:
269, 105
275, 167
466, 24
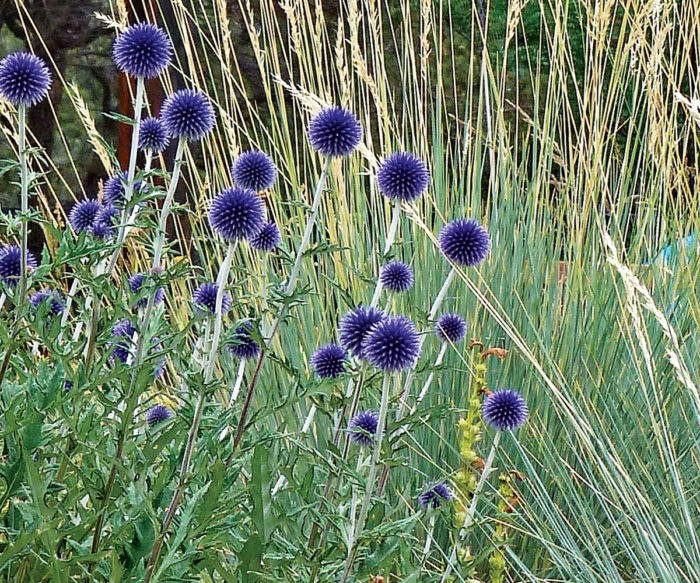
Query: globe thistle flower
254, 170
392, 344
465, 242
329, 361
152, 135
241, 343
205, 297
135, 283
267, 238
188, 114
504, 409
53, 298
363, 427
334, 132
237, 213
104, 224
355, 325
122, 348
157, 414
450, 328
11, 264
82, 215
142, 50
403, 176
114, 189
396, 276
24, 79
435, 495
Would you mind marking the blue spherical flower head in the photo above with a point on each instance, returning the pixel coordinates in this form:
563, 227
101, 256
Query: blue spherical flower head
24, 79
153, 135
142, 50
329, 361
157, 414
237, 213
241, 343
188, 115
403, 176
396, 276
465, 242
51, 299
82, 215
363, 427
11, 264
135, 283
267, 238
114, 189
104, 224
355, 325
122, 348
450, 328
204, 299
334, 132
254, 170
435, 495
392, 344
504, 409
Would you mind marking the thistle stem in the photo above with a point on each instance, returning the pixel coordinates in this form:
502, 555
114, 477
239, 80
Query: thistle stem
429, 380
24, 197
168, 203
391, 235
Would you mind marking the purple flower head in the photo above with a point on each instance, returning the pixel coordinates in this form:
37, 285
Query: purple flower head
104, 224
504, 409
188, 114
123, 348
363, 427
393, 344
24, 79
403, 176
82, 215
135, 283
354, 327
450, 328
142, 50
52, 298
152, 135
237, 213
465, 242
334, 132
10, 264
254, 170
396, 276
435, 495
114, 189
329, 361
241, 344
204, 299
267, 238
157, 414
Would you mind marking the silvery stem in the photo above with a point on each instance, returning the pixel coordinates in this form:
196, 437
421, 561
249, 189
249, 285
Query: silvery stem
390, 236
237, 384
24, 196
429, 380
428, 542
168, 203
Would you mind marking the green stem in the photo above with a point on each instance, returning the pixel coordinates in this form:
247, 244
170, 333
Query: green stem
168, 203
24, 196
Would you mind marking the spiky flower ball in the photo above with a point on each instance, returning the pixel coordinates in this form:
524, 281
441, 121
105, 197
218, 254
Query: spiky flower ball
329, 361
11, 264
403, 176
392, 344
465, 242
434, 496
51, 298
237, 213
241, 343
142, 50
135, 283
504, 409
153, 135
114, 189
355, 325
122, 348
451, 328
188, 114
363, 427
396, 276
254, 170
105, 221
24, 79
82, 215
267, 238
157, 414
204, 299
334, 132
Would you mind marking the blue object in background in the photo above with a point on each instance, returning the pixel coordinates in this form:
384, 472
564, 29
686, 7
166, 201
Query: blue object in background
670, 254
